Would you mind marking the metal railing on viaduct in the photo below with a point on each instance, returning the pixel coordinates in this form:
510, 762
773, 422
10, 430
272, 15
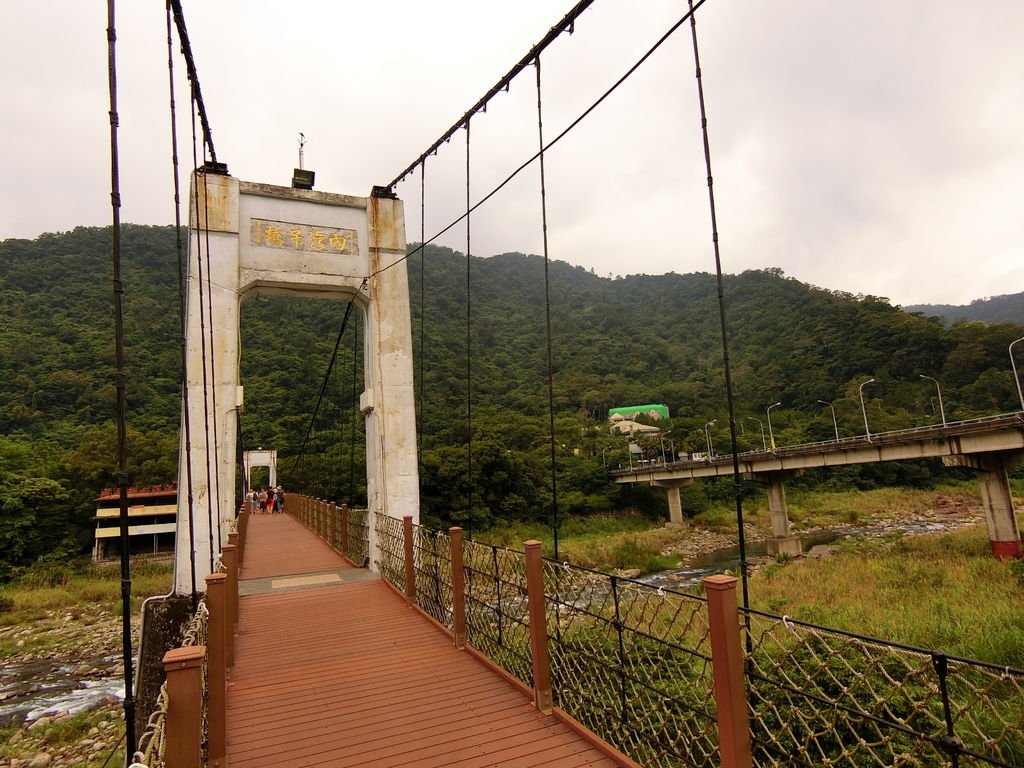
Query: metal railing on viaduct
989, 434
666, 677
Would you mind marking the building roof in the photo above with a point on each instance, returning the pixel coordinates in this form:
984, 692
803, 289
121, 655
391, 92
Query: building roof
141, 492
654, 410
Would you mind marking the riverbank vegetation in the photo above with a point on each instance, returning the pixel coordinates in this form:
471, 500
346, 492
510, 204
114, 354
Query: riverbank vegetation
41, 600
937, 591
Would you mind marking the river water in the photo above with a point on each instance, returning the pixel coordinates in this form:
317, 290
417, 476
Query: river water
33, 689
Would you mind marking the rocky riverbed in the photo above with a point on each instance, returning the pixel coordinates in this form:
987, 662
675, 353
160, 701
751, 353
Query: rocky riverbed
61, 689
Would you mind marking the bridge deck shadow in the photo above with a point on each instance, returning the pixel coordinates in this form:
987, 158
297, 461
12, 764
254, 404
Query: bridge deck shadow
344, 673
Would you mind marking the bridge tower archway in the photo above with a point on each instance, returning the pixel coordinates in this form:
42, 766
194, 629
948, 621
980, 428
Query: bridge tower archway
260, 458
248, 239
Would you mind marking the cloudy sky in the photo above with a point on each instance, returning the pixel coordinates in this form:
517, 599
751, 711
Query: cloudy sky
873, 147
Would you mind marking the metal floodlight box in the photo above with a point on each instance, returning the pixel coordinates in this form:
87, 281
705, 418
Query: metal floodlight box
303, 179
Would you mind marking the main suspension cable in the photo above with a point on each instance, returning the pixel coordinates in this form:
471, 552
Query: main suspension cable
120, 381
186, 419
583, 115
193, 74
566, 24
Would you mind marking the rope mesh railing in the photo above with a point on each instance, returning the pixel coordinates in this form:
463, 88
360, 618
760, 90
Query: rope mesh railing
432, 558
358, 535
818, 696
152, 744
390, 550
632, 663
497, 609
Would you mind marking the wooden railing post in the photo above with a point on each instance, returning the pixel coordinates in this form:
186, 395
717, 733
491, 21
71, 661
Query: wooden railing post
410, 566
229, 556
344, 529
216, 670
184, 724
243, 528
458, 588
323, 519
319, 517
727, 665
332, 513
538, 626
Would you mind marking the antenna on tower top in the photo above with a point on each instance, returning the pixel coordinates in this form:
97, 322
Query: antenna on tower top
301, 178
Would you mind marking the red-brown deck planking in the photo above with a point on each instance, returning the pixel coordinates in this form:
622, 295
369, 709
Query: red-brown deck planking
349, 675
278, 545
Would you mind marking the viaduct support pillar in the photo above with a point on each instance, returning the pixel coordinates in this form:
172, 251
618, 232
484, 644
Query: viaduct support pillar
996, 498
782, 542
675, 501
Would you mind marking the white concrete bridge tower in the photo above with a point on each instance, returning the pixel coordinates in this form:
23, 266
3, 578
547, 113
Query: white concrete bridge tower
248, 239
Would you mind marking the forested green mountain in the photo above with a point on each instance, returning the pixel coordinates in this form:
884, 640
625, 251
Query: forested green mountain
1008, 308
615, 342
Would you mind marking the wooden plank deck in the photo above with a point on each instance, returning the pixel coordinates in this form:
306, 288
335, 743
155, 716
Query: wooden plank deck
278, 545
348, 675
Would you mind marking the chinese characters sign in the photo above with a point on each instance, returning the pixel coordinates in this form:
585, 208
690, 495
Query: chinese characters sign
301, 237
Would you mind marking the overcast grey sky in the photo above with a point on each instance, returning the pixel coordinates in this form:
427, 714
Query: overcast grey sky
873, 147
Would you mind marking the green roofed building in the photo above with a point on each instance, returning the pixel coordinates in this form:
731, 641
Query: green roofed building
655, 411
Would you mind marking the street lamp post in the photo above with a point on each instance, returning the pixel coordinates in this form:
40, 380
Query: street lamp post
707, 435
661, 436
863, 410
764, 445
1016, 379
834, 422
938, 389
771, 434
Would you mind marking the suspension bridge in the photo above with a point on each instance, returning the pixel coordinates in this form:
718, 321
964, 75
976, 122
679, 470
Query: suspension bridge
340, 636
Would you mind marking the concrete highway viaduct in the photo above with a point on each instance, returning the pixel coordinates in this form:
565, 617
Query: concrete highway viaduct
990, 446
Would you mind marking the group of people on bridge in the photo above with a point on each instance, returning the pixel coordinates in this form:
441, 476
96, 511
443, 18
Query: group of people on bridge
266, 500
